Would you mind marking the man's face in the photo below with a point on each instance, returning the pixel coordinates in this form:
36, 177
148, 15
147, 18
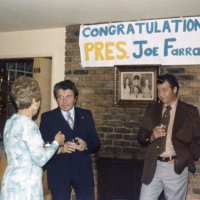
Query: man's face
166, 94
136, 91
136, 82
65, 99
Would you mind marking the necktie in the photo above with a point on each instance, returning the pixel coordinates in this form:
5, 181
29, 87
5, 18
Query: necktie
70, 120
166, 117
165, 122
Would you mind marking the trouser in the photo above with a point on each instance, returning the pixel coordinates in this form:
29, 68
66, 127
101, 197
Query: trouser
82, 193
165, 178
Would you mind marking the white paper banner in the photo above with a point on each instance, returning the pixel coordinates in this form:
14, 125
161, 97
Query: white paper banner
174, 41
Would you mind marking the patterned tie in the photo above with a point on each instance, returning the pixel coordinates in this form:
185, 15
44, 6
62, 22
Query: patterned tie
70, 120
166, 117
165, 122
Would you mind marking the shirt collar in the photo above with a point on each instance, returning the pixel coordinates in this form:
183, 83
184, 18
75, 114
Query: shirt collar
173, 105
72, 113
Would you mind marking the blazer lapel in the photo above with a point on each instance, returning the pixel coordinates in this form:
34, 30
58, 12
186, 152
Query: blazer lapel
76, 118
179, 117
61, 120
78, 121
157, 114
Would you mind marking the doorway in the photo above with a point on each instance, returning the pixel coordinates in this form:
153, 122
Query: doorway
10, 69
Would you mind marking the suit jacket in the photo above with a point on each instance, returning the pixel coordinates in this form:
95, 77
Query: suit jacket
62, 168
185, 138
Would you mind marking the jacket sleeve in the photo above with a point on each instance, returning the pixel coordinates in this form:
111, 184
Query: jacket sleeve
195, 145
46, 133
35, 145
92, 140
146, 128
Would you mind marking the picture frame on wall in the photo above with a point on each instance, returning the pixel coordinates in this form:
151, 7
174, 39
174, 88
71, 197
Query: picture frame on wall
135, 84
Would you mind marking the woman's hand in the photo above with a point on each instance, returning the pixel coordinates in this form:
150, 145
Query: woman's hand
60, 138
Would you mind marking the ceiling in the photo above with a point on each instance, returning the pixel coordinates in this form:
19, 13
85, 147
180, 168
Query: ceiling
17, 15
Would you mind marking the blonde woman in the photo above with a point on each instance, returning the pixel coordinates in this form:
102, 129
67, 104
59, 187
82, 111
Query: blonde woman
24, 146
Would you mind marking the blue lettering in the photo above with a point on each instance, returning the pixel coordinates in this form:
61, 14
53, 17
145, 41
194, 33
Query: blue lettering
94, 32
150, 27
140, 43
196, 51
156, 28
120, 28
84, 32
102, 31
112, 30
130, 29
166, 27
197, 24
140, 24
190, 25
167, 46
176, 23
188, 51
148, 52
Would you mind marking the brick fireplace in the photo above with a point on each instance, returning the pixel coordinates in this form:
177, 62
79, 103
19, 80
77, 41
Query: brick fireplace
119, 179
117, 126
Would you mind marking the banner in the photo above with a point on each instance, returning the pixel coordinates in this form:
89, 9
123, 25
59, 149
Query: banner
174, 41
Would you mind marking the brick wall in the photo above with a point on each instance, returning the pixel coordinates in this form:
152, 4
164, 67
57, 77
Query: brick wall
117, 126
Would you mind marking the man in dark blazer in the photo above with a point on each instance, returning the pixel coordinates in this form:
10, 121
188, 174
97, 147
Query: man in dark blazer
170, 151
71, 166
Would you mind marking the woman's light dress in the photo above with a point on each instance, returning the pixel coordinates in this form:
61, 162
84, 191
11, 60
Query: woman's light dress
25, 156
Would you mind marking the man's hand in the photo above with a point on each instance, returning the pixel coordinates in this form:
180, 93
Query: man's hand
69, 147
158, 131
81, 144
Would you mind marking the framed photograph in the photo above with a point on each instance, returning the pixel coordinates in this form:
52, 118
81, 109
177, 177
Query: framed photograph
135, 83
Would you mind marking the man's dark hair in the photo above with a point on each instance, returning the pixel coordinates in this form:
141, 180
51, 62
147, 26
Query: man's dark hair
64, 85
136, 77
171, 79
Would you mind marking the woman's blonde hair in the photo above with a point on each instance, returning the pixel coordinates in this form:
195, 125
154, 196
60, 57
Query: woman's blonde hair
23, 90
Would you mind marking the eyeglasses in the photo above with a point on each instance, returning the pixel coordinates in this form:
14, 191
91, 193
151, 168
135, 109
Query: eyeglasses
62, 98
164, 90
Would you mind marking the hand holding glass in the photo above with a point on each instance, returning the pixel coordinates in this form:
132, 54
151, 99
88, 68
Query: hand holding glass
163, 129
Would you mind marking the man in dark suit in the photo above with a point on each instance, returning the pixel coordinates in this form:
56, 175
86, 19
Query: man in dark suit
71, 166
171, 150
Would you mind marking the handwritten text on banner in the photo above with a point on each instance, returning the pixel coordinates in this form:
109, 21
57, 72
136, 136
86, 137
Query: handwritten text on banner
174, 41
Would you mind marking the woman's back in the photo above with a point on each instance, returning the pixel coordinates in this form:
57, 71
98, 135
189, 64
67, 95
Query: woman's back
25, 156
